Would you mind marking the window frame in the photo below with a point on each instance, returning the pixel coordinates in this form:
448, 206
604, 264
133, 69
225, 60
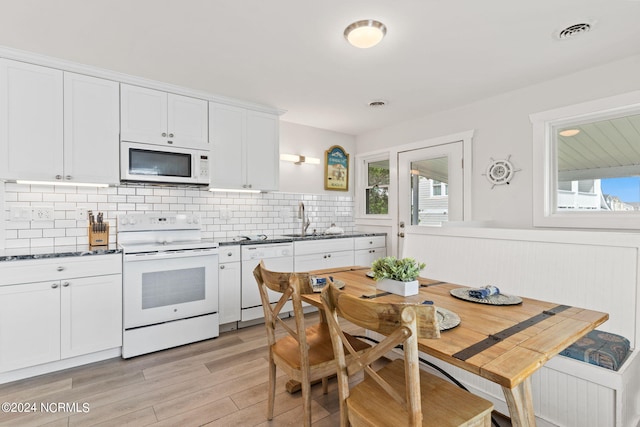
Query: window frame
545, 184
362, 189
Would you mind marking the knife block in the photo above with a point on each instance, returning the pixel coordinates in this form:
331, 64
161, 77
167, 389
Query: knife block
99, 238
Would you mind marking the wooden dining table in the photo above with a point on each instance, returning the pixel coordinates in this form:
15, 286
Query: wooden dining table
504, 344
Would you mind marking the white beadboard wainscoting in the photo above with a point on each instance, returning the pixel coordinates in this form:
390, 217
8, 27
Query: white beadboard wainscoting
224, 215
594, 270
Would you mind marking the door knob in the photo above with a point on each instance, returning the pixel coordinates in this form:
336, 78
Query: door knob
400, 234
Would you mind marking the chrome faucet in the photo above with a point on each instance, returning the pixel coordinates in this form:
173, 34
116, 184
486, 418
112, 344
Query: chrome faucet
305, 220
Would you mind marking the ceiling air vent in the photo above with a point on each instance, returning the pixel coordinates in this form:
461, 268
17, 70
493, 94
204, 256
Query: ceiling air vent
574, 30
377, 104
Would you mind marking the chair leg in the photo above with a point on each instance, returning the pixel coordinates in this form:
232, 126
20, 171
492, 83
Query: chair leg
272, 387
306, 400
325, 385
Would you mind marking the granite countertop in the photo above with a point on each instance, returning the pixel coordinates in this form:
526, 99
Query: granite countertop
288, 239
57, 252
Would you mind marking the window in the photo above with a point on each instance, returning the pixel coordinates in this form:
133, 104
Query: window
377, 188
590, 164
438, 188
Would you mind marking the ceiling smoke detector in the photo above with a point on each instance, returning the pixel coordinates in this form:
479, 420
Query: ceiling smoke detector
377, 103
574, 30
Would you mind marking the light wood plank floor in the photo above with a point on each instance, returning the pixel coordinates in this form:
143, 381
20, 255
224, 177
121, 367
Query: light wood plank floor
218, 382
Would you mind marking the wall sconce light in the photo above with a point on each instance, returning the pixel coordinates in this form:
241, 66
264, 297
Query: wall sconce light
297, 159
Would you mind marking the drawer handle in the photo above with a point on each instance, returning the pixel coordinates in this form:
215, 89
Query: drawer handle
222, 267
229, 253
61, 268
54, 286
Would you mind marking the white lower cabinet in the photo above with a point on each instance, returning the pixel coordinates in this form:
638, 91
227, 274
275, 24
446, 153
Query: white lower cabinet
89, 315
318, 254
29, 324
50, 320
369, 249
229, 284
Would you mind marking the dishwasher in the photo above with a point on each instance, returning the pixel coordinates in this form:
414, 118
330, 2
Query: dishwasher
276, 257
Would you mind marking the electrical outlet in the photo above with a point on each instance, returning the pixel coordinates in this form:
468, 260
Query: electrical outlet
81, 214
42, 213
20, 213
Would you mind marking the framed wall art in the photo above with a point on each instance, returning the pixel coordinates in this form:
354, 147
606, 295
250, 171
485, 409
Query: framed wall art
336, 169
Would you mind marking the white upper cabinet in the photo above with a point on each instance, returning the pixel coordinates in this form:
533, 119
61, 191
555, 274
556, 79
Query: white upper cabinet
57, 126
91, 129
156, 117
244, 148
31, 113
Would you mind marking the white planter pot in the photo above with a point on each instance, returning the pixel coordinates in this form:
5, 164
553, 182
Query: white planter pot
399, 288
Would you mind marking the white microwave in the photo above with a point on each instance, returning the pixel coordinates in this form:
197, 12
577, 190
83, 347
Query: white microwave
172, 165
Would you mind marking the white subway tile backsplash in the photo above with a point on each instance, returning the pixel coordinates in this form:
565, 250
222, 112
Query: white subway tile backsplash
223, 215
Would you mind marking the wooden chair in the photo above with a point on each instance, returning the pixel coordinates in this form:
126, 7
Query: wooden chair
305, 354
399, 393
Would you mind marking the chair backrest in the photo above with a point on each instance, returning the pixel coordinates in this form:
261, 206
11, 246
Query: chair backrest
400, 323
290, 286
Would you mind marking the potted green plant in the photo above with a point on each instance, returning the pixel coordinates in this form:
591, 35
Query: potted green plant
398, 276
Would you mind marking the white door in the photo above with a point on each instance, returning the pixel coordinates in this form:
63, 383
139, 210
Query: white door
431, 189
30, 121
91, 315
262, 151
143, 115
188, 122
226, 134
29, 324
91, 129
229, 278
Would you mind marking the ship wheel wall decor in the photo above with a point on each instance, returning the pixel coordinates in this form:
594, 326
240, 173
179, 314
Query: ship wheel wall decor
500, 172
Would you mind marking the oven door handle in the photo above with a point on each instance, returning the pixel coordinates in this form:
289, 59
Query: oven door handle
152, 256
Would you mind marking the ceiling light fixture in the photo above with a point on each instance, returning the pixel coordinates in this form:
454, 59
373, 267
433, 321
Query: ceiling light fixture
569, 132
297, 159
365, 34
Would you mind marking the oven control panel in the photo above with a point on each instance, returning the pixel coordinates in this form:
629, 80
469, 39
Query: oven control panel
144, 222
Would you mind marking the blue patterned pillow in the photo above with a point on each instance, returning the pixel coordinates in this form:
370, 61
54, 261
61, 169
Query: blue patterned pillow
600, 348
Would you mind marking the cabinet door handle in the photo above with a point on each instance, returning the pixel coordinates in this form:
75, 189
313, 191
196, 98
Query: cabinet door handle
58, 177
54, 286
170, 135
329, 256
222, 267
66, 284
60, 268
229, 253
68, 177
164, 134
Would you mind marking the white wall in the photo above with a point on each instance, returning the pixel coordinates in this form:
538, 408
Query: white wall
223, 215
312, 142
502, 128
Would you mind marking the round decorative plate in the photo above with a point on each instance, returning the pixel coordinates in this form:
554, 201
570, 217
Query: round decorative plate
498, 299
447, 319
